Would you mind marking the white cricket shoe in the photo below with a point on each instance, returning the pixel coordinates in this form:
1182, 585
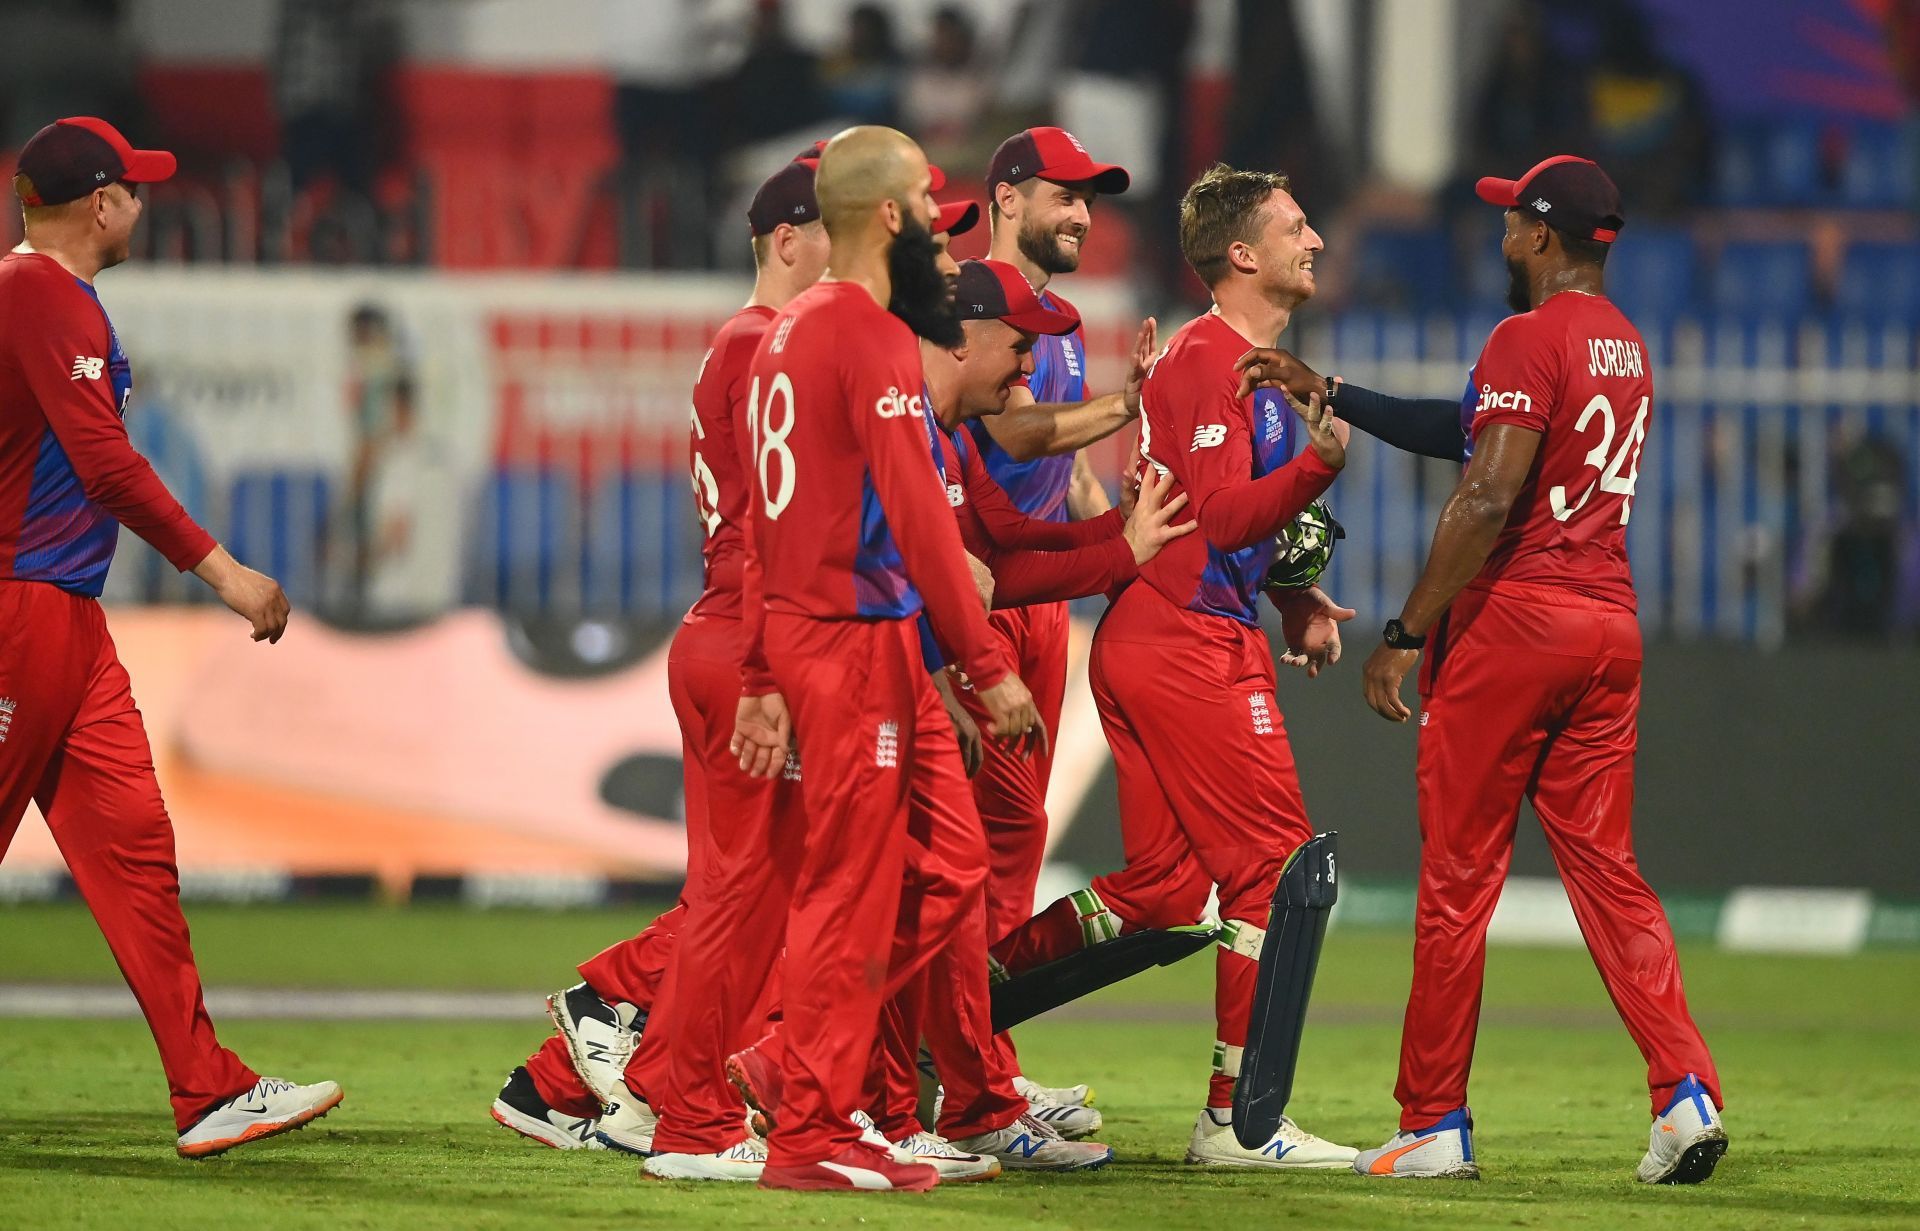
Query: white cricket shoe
269, 1108
1073, 1123
1688, 1138
1029, 1145
520, 1108
600, 1037
871, 1134
1291, 1147
628, 1123
1054, 1096
1441, 1151
741, 1162
955, 1165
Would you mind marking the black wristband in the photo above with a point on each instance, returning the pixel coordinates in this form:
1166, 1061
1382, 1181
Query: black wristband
1398, 638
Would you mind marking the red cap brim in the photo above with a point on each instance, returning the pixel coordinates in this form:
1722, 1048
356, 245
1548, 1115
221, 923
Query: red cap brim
1043, 320
957, 218
1496, 191
150, 167
1103, 176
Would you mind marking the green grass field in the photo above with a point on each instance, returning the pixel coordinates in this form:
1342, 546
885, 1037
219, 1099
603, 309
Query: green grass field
1821, 1060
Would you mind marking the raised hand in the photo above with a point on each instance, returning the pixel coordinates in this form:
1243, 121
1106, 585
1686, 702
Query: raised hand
1325, 434
1139, 362
1266, 367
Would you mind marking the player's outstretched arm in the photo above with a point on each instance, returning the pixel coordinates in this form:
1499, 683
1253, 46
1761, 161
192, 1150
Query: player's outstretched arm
1429, 427
249, 593
1028, 429
1469, 526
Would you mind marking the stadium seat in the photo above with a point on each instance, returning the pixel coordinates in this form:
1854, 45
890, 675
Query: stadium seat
1405, 270
527, 520
279, 522
1880, 282
1877, 167
1653, 274
639, 552
1762, 279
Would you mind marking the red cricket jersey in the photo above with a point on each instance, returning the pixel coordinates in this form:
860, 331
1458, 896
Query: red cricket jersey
67, 471
848, 516
1032, 560
1575, 370
717, 452
1231, 456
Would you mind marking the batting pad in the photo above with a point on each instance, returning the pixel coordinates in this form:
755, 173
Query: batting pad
1297, 924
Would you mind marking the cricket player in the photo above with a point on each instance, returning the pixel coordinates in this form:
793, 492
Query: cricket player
1181, 671
1030, 560
70, 736
1041, 188
1530, 684
627, 1028
850, 531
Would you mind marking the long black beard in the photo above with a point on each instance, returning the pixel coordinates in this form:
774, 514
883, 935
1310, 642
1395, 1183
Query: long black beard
1519, 289
1042, 247
921, 296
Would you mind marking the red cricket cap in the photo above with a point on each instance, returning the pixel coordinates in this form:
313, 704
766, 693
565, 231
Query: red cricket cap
995, 290
956, 218
1567, 192
1051, 154
70, 158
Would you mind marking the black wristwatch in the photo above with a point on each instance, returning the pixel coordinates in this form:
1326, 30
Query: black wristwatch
1333, 387
1397, 637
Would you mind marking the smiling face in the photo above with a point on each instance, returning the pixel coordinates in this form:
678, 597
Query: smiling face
1050, 221
1285, 249
997, 357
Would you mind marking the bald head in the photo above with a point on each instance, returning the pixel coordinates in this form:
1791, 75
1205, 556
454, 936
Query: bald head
862, 169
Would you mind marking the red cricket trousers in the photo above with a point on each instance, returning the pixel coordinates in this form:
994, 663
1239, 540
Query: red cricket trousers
1011, 790
72, 740
1533, 690
751, 833
874, 738
1209, 796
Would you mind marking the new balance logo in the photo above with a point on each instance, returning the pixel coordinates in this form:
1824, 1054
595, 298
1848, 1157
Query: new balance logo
1209, 435
1278, 1148
88, 369
886, 746
1027, 1146
1540, 203
956, 495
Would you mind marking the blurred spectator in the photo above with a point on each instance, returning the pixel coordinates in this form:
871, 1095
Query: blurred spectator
64, 59
1531, 106
947, 94
863, 79
330, 60
665, 56
1862, 568
1647, 117
776, 89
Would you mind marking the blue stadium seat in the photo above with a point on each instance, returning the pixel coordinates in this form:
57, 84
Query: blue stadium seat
1757, 278
526, 521
642, 554
1877, 169
279, 521
1770, 163
1653, 274
1404, 270
1880, 281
